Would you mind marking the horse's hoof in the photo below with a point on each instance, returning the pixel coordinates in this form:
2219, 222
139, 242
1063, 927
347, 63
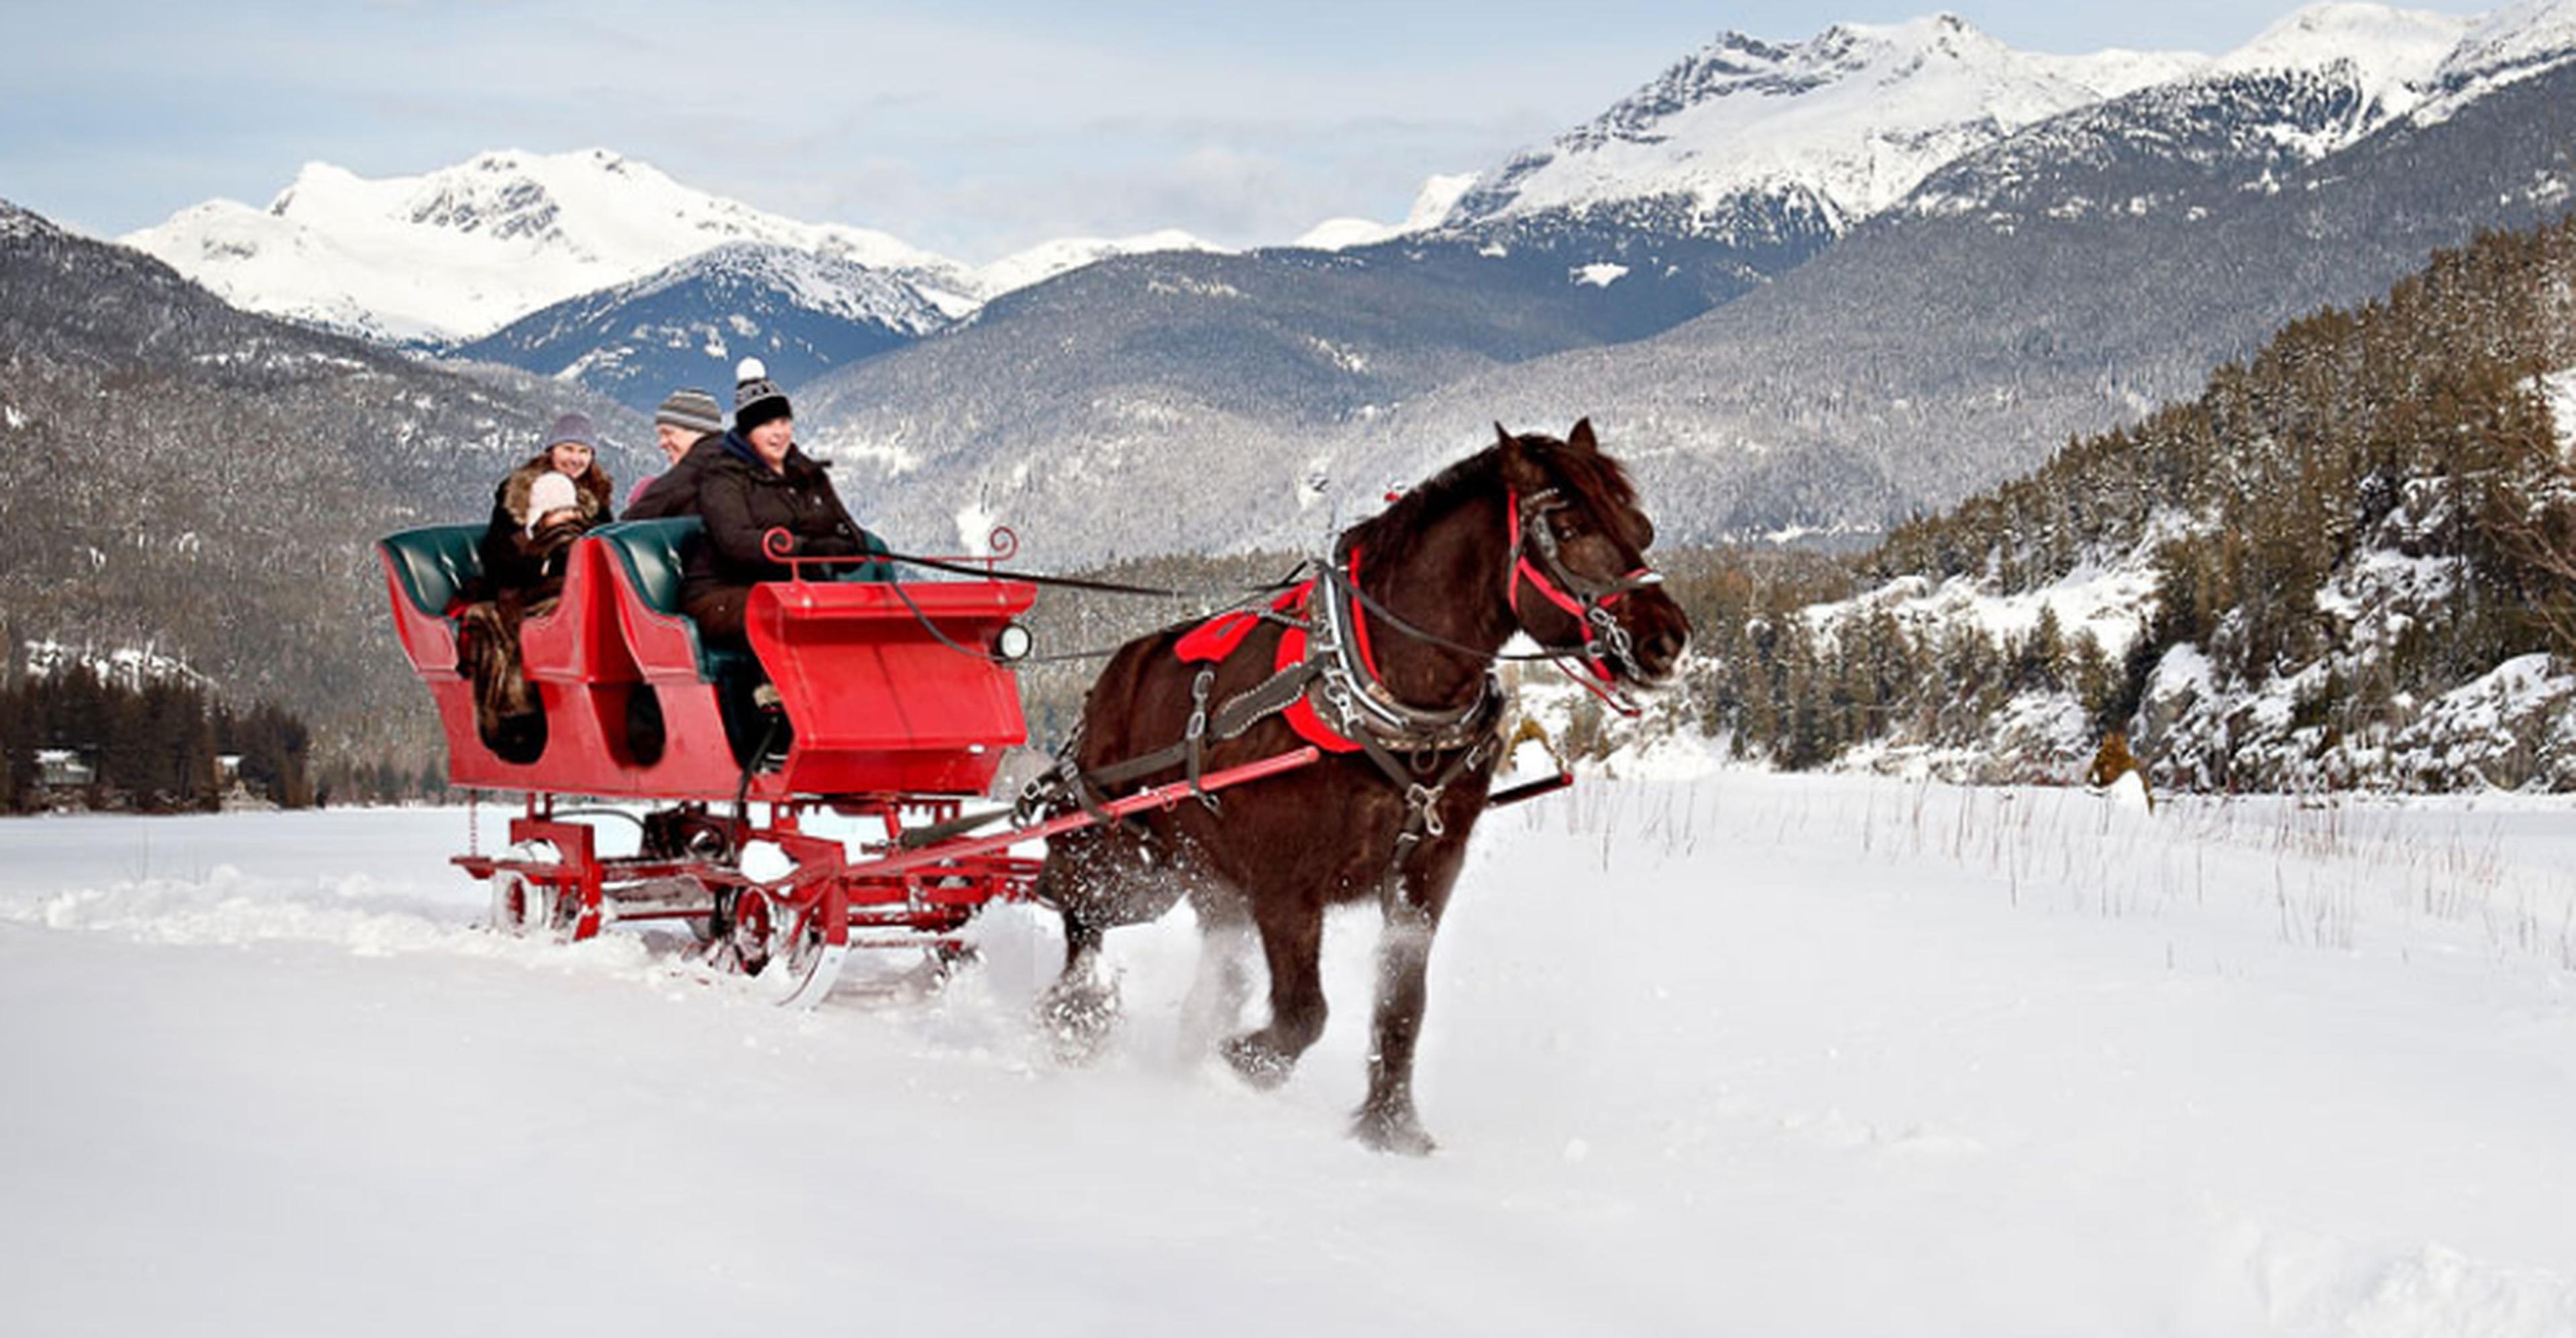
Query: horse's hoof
1395, 1130
1077, 1022
1260, 1065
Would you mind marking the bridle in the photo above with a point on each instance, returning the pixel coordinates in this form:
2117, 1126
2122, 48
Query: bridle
1606, 648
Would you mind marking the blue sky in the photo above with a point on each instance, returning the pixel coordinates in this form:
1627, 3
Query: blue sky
968, 127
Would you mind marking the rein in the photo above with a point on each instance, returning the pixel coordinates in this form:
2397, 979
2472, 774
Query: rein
778, 546
1246, 593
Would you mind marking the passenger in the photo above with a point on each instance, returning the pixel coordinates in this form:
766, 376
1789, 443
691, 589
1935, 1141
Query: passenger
541, 508
759, 482
689, 427
537, 513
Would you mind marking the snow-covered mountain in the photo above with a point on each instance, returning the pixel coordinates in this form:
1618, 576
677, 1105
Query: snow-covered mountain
1839, 127
462, 251
1048, 259
2310, 86
457, 253
802, 313
2052, 282
2387, 58
2523, 39
1438, 196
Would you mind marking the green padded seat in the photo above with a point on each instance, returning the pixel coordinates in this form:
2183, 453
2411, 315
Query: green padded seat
435, 562
653, 554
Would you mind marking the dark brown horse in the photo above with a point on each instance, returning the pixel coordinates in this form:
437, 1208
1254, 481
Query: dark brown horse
1530, 535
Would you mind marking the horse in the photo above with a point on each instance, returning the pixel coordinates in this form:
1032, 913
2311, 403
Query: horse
1391, 650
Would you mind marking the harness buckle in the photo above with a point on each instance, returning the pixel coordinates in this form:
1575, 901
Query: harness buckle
1425, 802
1200, 687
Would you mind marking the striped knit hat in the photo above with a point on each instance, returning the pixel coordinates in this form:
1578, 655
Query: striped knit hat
692, 410
756, 398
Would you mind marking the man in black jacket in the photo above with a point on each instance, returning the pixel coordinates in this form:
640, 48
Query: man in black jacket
756, 482
689, 427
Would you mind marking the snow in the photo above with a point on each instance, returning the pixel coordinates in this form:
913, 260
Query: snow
2390, 51
2508, 46
1439, 195
1856, 117
1341, 234
1757, 1053
2514, 42
1599, 274
2559, 390
461, 251
132, 667
17, 224
1045, 261
2108, 597
2390, 56
812, 282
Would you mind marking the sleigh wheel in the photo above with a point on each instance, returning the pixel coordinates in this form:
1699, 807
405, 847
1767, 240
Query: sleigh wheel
525, 907
785, 950
743, 942
519, 904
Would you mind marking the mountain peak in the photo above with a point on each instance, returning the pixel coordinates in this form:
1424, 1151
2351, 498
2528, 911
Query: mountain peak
2512, 44
1853, 117
16, 223
462, 250
2382, 44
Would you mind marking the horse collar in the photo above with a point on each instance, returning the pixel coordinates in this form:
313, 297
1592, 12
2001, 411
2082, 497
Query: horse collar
1355, 698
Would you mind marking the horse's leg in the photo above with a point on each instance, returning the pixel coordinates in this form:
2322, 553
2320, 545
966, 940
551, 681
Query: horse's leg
1292, 941
1078, 1010
1386, 1119
1214, 1006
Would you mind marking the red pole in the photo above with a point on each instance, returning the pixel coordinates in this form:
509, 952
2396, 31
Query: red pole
1161, 796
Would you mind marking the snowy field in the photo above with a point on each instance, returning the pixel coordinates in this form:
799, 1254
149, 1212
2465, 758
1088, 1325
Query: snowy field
1740, 1054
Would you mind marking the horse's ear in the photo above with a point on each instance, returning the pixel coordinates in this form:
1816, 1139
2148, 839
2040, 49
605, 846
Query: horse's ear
1504, 435
1520, 469
1581, 437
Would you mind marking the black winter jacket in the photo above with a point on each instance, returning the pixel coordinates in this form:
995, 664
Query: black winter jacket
740, 501
674, 492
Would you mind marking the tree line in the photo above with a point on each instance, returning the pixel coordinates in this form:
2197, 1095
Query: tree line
75, 737
2411, 434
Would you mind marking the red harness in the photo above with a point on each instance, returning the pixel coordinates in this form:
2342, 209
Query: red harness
1582, 611
1217, 639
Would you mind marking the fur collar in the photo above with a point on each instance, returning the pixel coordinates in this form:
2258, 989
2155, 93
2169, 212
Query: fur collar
592, 490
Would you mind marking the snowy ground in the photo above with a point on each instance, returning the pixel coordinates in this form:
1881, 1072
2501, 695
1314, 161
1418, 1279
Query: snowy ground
1744, 1054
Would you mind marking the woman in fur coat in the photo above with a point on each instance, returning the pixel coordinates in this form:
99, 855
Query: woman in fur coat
537, 513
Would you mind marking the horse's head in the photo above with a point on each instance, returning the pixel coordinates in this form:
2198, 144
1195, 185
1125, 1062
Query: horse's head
1579, 582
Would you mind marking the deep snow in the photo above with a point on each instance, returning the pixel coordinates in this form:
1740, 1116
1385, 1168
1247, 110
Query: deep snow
1741, 1054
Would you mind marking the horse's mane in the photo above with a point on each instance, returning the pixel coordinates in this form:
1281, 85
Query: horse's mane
1391, 536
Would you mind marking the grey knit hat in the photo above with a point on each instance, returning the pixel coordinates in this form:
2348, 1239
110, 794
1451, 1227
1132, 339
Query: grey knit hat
693, 410
756, 398
575, 428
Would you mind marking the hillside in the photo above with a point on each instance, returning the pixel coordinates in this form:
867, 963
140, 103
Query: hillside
211, 483
800, 313
2108, 261
2345, 564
